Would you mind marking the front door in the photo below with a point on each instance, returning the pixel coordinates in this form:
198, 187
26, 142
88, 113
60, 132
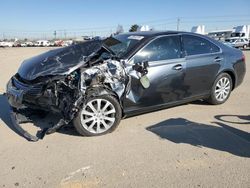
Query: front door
166, 74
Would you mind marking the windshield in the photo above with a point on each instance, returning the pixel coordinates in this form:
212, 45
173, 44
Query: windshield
122, 44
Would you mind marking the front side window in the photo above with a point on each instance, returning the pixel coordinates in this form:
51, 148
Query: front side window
194, 45
163, 48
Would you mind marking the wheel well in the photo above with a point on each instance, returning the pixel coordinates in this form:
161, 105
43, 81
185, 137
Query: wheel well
97, 91
231, 74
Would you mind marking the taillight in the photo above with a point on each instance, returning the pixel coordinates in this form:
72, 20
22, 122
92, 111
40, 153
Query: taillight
243, 58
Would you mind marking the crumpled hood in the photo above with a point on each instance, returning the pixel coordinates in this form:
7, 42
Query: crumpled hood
58, 61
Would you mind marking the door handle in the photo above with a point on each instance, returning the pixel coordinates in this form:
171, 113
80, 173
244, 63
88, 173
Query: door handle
218, 59
177, 67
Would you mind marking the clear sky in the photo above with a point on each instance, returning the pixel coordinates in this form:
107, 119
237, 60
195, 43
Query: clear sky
100, 17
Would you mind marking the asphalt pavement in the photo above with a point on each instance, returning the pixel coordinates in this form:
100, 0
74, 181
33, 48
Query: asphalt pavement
191, 145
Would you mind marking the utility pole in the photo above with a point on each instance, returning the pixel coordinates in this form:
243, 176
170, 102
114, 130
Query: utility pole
178, 24
65, 34
55, 34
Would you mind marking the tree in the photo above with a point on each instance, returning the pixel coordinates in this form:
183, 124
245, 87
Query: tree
134, 28
119, 29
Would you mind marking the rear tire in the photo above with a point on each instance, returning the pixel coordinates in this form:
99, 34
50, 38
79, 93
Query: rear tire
244, 46
98, 116
221, 89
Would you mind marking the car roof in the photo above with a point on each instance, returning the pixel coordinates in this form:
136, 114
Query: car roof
149, 35
153, 33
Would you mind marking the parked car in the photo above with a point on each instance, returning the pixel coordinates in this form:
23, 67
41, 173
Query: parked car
237, 42
67, 43
17, 44
6, 44
58, 43
29, 44
97, 83
42, 43
87, 37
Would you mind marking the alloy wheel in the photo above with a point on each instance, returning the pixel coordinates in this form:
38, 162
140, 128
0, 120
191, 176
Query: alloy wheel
222, 89
98, 115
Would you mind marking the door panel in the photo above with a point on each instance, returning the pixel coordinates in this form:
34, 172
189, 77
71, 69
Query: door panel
166, 85
204, 60
166, 73
201, 72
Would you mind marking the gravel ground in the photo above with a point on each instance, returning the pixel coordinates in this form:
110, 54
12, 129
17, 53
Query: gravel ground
192, 145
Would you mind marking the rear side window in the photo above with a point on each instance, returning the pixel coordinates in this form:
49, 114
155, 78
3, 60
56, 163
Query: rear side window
194, 45
163, 48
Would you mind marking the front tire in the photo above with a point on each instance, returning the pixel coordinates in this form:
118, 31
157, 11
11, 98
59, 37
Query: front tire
221, 89
98, 116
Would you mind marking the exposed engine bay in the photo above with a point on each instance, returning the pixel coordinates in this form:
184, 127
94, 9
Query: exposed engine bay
99, 73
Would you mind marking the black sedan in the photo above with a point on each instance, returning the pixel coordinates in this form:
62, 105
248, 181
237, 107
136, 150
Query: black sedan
97, 83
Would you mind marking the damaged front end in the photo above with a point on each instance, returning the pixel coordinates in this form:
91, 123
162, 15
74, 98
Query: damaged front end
61, 81
65, 94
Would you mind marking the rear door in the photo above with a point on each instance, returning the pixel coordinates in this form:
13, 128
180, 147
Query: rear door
165, 73
204, 60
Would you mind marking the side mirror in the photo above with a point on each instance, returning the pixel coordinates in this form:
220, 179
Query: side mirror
141, 67
145, 64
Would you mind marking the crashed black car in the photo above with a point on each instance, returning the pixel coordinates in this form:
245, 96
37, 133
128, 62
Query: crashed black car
96, 83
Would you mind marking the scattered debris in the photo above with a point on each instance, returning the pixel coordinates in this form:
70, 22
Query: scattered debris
39, 178
16, 184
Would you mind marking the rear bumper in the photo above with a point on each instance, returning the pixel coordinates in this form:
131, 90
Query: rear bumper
240, 70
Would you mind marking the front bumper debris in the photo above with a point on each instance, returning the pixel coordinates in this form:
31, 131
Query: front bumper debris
24, 116
15, 99
18, 118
